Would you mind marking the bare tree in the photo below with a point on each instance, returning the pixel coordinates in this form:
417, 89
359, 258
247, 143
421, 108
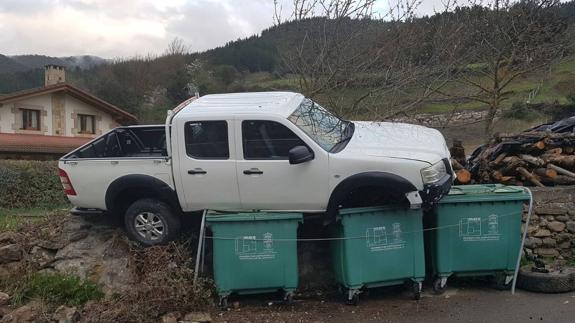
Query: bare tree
359, 59
177, 47
503, 41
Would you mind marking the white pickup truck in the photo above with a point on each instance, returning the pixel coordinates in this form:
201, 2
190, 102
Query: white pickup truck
274, 151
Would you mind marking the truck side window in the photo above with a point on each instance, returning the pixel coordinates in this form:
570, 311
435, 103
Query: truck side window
207, 139
267, 140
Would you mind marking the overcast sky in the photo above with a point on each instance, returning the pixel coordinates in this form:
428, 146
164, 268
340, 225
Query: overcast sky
123, 28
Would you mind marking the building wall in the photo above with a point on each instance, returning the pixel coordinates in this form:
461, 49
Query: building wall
104, 121
11, 118
6, 118
58, 116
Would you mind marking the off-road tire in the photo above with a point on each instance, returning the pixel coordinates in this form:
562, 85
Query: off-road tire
555, 282
171, 221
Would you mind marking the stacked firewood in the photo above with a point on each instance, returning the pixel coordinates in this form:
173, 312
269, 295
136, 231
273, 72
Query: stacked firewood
530, 158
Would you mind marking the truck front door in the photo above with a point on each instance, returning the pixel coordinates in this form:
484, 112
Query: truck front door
267, 180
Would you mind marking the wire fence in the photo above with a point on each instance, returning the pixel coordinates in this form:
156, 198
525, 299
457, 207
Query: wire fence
450, 226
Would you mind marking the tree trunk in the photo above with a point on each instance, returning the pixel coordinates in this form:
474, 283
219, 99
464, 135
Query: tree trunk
490, 119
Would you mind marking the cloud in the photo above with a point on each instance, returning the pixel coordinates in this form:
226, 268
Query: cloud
26, 7
207, 24
120, 28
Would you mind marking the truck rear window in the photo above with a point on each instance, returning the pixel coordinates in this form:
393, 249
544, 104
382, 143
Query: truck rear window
126, 142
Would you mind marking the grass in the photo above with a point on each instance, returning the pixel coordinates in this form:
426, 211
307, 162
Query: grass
525, 261
266, 81
567, 65
550, 87
12, 219
55, 289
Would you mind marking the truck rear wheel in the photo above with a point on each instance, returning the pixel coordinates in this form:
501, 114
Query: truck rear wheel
151, 222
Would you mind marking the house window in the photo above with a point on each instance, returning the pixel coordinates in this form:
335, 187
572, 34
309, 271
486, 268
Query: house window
30, 119
87, 124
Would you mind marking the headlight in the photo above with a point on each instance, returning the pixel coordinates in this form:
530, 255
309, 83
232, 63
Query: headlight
433, 173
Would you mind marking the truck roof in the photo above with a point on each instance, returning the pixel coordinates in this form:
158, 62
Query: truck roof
280, 103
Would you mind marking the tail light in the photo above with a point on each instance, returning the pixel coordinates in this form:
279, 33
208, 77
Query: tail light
66, 184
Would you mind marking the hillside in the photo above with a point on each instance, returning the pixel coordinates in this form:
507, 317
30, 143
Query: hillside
8, 65
27, 63
39, 61
26, 71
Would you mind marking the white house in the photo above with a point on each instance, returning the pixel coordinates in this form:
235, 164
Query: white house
49, 121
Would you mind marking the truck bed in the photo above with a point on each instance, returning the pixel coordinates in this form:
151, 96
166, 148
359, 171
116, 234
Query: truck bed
125, 142
123, 151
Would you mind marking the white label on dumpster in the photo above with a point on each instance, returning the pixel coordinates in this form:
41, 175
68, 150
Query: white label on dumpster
378, 238
479, 229
254, 248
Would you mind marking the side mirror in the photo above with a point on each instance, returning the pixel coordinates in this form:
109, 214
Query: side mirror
300, 154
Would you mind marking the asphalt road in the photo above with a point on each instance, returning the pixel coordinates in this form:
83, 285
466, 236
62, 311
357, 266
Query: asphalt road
458, 304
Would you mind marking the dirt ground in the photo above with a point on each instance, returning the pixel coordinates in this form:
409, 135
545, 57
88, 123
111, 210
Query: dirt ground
457, 304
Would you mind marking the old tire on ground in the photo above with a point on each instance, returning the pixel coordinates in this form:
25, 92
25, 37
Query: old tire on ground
555, 282
151, 222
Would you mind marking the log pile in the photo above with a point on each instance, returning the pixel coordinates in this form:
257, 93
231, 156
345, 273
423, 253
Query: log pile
530, 158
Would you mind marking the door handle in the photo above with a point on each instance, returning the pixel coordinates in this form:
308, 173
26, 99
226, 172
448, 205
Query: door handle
253, 171
197, 171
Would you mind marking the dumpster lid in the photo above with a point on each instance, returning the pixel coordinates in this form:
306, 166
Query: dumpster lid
357, 210
251, 216
485, 192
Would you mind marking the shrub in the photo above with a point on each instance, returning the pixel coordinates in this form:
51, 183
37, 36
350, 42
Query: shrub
25, 183
559, 111
164, 284
523, 111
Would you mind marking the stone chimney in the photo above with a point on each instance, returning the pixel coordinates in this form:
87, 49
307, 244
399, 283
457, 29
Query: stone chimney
54, 74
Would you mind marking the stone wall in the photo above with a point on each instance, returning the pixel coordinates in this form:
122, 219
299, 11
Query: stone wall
551, 231
458, 118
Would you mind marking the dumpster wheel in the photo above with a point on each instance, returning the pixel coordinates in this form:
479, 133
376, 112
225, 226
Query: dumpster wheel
416, 290
288, 298
223, 303
439, 285
503, 282
354, 300
353, 297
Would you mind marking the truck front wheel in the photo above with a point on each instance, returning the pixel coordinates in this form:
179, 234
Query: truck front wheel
151, 222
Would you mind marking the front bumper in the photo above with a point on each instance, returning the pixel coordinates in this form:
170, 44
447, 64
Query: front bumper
434, 192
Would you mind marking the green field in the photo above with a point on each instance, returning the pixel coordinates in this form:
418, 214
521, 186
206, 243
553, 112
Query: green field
554, 85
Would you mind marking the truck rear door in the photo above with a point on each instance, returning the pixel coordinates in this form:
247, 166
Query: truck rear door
206, 155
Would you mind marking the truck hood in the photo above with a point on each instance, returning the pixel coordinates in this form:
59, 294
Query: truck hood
397, 140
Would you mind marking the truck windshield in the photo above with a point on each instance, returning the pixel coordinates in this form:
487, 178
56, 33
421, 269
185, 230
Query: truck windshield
320, 125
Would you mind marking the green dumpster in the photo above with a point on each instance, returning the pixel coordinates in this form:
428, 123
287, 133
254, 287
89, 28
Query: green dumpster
378, 246
254, 253
476, 231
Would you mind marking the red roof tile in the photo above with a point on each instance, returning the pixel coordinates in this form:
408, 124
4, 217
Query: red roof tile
39, 144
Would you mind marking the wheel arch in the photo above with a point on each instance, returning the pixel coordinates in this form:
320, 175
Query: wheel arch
392, 182
127, 189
